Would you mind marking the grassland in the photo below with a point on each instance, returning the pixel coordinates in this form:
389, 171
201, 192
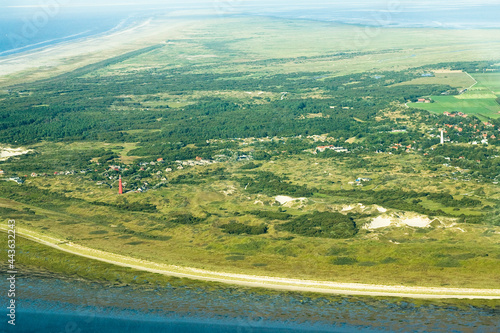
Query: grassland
81, 205
446, 254
457, 79
489, 81
480, 100
263, 281
266, 46
35, 259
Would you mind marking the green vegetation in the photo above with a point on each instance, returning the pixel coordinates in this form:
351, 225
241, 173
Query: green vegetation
240, 228
483, 107
479, 100
268, 183
322, 224
209, 134
187, 219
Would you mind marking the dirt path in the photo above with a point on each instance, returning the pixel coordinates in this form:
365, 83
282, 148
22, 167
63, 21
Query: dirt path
260, 281
473, 79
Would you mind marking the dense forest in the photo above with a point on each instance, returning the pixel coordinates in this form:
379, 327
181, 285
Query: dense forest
322, 224
78, 106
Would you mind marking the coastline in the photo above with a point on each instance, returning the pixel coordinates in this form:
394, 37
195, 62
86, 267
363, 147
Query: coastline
59, 58
90, 304
276, 283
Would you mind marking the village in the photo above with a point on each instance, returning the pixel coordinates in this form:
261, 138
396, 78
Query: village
456, 128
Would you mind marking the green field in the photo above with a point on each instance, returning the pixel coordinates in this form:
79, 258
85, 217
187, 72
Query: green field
456, 79
490, 81
482, 107
479, 101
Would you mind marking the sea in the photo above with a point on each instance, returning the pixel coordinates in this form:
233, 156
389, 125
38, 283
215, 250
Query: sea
62, 305
48, 22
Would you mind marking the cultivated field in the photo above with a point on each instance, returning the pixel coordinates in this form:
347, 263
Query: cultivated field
480, 100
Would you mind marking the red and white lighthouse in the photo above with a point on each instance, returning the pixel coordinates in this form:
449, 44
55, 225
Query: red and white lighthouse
120, 187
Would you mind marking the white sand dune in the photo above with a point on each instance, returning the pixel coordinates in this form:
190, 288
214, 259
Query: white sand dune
6, 153
283, 199
379, 222
419, 222
384, 221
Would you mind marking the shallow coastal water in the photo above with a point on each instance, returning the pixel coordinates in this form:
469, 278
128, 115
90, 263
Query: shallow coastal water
62, 305
24, 29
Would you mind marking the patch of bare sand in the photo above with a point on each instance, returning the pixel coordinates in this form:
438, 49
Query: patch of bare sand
6, 153
447, 71
407, 219
287, 201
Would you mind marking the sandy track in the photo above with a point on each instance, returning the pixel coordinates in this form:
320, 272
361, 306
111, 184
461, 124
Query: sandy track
325, 287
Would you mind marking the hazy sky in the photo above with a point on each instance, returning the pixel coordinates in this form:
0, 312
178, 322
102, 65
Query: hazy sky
235, 3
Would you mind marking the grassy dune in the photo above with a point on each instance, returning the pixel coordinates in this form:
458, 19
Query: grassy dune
446, 254
84, 211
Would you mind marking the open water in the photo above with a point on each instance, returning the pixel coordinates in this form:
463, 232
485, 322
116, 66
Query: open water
70, 306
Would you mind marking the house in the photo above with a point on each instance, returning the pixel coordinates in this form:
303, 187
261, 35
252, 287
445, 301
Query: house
363, 180
1, 172
34, 175
198, 158
160, 160
331, 147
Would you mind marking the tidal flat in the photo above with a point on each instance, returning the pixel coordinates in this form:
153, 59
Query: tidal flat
62, 302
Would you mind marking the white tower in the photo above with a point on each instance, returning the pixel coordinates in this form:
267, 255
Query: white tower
442, 137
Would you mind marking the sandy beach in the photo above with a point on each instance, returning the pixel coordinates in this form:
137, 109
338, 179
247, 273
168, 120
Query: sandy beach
66, 56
